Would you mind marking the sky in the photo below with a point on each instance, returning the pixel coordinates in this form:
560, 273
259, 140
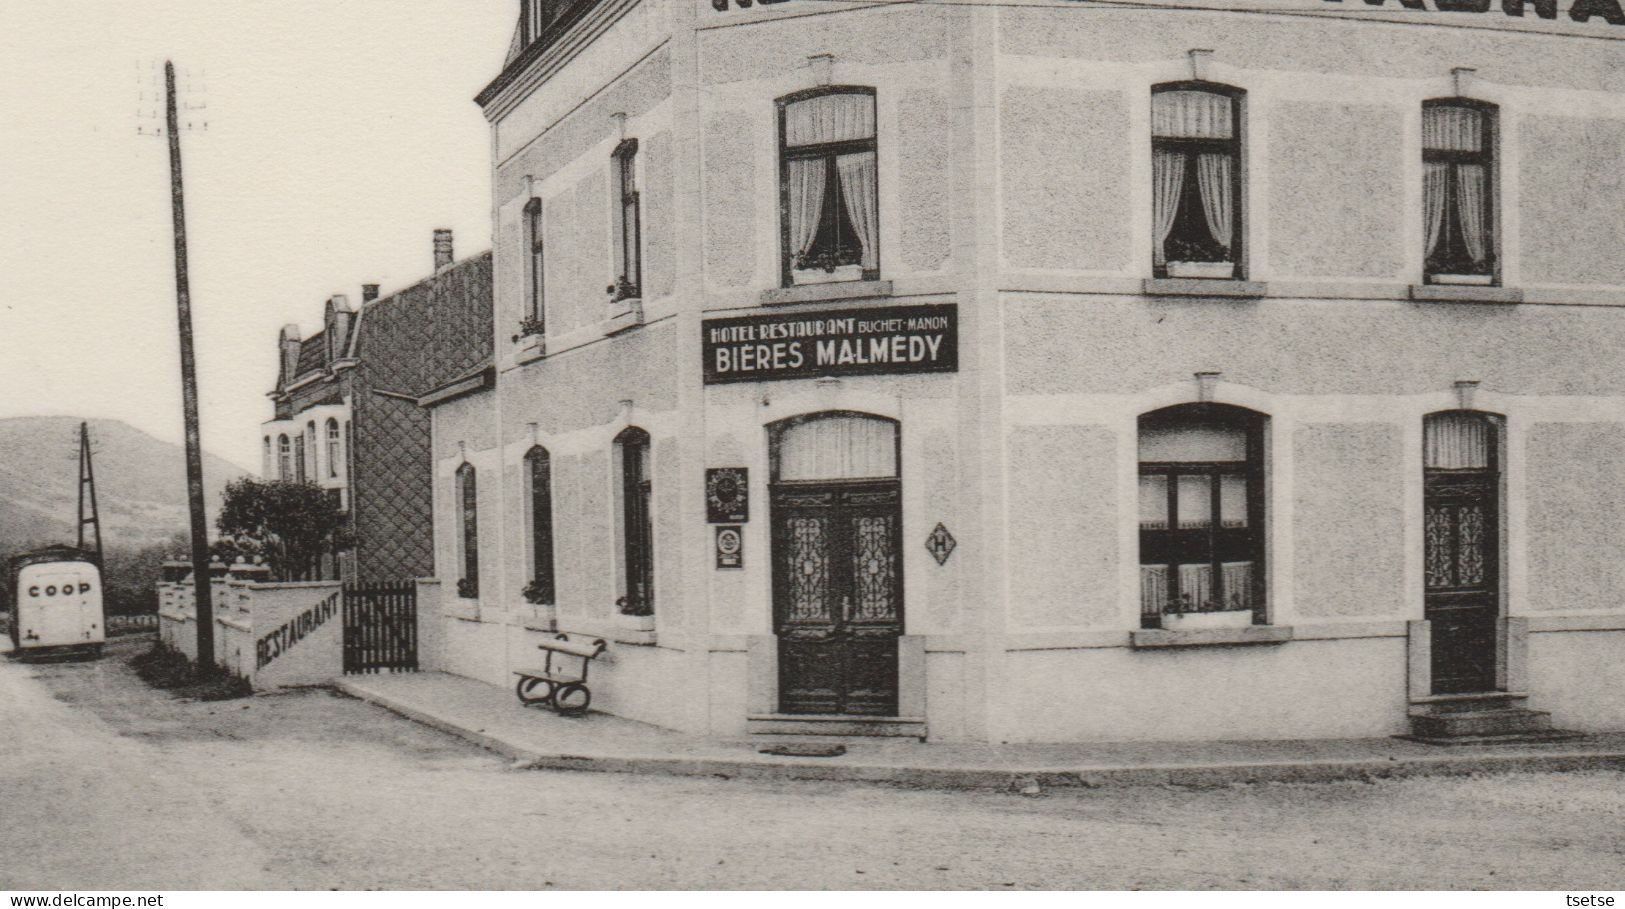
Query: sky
339, 136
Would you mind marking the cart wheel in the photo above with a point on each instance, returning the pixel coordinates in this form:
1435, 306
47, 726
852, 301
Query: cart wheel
572, 699
527, 685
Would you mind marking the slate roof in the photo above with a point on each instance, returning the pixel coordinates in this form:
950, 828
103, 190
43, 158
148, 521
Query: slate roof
312, 355
408, 343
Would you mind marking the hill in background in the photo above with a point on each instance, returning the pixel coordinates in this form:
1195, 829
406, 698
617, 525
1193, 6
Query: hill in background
140, 483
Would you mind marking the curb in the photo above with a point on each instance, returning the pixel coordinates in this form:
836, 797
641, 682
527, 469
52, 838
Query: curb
1012, 778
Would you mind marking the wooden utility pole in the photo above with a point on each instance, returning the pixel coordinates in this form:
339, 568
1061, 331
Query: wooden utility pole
194, 449
87, 493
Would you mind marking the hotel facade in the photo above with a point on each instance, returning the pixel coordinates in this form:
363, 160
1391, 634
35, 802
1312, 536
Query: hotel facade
1052, 371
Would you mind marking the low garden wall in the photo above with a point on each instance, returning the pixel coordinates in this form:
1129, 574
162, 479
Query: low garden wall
274, 635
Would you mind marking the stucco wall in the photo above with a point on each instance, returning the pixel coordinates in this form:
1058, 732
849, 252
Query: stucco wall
1572, 195
1063, 555
586, 581
584, 387
1336, 197
1576, 516
768, 49
1063, 169
1578, 677
1324, 347
1306, 689
925, 157
545, 145
1302, 44
728, 182
1348, 520
578, 262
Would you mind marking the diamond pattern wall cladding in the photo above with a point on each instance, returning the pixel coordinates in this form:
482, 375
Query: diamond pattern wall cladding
410, 343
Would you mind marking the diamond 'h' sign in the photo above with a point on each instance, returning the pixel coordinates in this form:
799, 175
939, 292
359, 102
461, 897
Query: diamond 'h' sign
940, 543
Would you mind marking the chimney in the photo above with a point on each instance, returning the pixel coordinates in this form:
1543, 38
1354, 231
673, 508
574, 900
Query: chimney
369, 293
289, 342
442, 248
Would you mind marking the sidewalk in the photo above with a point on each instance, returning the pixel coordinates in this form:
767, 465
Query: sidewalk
538, 738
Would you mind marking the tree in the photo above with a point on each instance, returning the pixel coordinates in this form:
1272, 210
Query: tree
291, 524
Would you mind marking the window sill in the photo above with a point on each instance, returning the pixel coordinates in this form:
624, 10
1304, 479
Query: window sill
530, 349
1464, 293
460, 608
1156, 638
628, 314
1204, 287
813, 293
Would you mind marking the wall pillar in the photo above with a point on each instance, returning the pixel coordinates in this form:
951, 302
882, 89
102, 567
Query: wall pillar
1419, 658
431, 627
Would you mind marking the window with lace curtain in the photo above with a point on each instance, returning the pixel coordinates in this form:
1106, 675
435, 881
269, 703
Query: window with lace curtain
1196, 180
1201, 511
335, 451
284, 465
829, 192
1458, 140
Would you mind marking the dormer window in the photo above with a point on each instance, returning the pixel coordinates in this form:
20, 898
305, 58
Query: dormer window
535, 16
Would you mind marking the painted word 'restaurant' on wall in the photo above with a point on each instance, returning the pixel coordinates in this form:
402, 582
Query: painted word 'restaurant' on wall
272, 645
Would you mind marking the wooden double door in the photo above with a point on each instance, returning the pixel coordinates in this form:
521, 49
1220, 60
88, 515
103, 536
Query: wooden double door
838, 595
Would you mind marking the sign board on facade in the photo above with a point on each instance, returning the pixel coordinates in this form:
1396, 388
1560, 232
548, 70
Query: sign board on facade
1562, 16
727, 495
847, 342
730, 547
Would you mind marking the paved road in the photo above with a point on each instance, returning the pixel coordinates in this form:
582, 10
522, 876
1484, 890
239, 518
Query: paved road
105, 783
81, 807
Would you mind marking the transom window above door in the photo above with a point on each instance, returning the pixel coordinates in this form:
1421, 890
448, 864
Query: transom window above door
1196, 180
835, 446
829, 192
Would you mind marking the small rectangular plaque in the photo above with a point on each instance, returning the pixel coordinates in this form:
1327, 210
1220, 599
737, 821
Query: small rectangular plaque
730, 547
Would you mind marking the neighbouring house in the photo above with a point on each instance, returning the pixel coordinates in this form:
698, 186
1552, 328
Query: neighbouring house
1050, 371
347, 417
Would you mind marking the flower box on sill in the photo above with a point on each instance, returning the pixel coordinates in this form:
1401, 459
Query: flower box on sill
625, 622
624, 314
1474, 280
530, 348
634, 629
827, 276
1201, 269
541, 617
1204, 621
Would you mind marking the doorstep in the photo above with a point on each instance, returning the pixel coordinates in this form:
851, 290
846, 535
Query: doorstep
836, 725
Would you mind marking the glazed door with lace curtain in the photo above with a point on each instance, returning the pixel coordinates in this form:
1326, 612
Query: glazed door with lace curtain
837, 566
1461, 558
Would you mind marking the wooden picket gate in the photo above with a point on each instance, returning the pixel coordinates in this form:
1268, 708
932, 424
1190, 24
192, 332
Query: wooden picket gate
381, 627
